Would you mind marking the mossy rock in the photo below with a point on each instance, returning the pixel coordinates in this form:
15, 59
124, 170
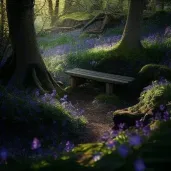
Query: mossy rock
127, 117
149, 73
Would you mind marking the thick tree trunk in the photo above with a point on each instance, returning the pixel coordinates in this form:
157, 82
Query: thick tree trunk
2, 19
132, 32
25, 68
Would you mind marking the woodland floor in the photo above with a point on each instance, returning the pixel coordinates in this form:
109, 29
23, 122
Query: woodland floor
98, 115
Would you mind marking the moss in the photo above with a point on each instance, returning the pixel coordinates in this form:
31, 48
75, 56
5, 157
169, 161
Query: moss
108, 99
79, 16
149, 73
127, 117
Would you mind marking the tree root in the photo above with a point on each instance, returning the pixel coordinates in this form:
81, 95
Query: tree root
36, 76
7, 69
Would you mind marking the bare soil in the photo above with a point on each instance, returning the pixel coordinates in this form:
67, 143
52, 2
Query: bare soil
98, 115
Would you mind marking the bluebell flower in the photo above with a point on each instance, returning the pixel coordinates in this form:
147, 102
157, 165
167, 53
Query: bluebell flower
69, 146
139, 124
35, 144
123, 150
135, 140
121, 126
3, 155
146, 130
105, 136
97, 156
139, 165
162, 107
110, 143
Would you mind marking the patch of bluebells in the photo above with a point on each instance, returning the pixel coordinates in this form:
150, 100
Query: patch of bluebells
135, 137
67, 105
36, 144
161, 81
48, 98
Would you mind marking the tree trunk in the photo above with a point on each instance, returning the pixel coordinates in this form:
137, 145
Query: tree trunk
67, 6
25, 68
55, 13
131, 35
2, 19
50, 6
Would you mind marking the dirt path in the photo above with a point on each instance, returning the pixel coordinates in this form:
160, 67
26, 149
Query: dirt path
99, 116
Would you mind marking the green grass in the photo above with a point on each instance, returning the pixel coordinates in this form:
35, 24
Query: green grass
63, 39
79, 16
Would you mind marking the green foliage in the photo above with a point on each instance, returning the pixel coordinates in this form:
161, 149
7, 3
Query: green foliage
160, 18
25, 109
79, 16
62, 39
154, 96
108, 99
158, 94
149, 73
156, 151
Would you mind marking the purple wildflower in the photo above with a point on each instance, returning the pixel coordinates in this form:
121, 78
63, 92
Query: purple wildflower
166, 116
139, 124
114, 133
37, 93
135, 140
139, 165
69, 146
97, 156
123, 150
162, 107
105, 136
121, 126
110, 143
146, 130
3, 155
36, 144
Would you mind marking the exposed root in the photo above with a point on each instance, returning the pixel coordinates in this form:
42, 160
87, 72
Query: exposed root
7, 69
35, 76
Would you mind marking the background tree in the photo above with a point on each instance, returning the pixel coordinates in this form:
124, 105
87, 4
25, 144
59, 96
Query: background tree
25, 68
132, 31
50, 6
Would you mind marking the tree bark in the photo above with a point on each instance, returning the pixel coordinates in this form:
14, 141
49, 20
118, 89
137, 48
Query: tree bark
2, 19
132, 32
55, 13
25, 68
50, 7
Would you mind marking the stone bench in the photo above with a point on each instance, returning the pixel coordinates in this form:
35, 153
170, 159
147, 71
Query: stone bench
109, 79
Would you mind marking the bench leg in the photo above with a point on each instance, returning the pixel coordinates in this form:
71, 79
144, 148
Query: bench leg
73, 81
109, 88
